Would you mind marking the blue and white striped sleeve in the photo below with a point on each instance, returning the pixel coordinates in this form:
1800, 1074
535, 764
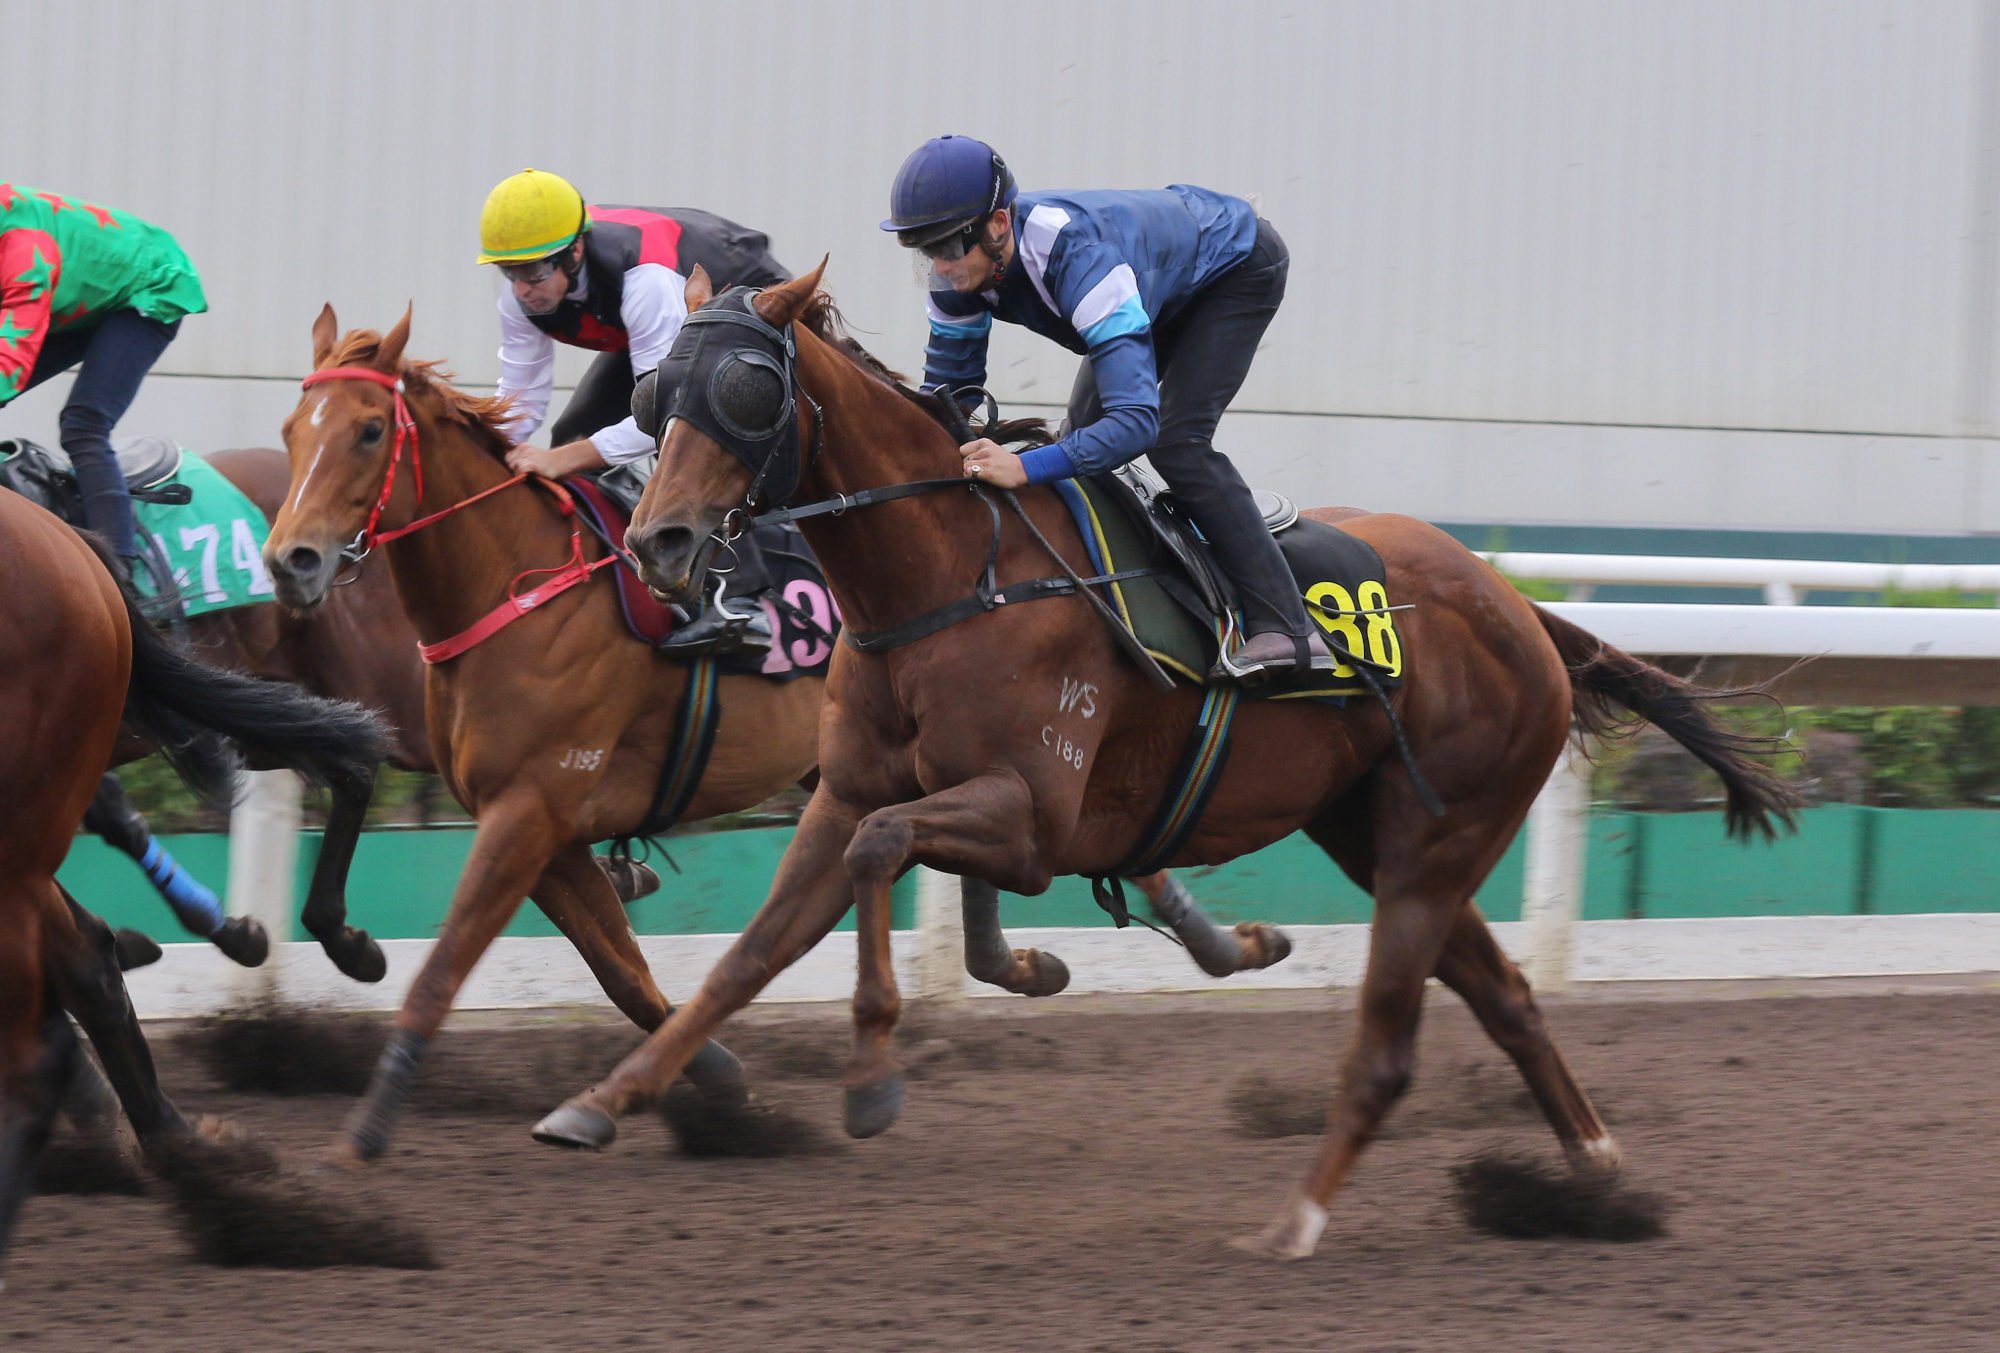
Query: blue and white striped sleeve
956, 354
1099, 295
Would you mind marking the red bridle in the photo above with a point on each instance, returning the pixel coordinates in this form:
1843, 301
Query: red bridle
565, 576
406, 432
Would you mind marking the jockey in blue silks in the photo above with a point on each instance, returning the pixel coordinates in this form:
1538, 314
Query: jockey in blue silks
1166, 293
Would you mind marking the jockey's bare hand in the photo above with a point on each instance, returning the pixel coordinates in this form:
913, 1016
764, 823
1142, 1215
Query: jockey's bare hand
578, 457
991, 463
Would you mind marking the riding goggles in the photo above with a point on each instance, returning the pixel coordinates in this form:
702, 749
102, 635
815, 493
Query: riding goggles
950, 248
531, 274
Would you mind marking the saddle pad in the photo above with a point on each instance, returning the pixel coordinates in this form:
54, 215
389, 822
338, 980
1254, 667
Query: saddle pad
213, 543
803, 617
1339, 575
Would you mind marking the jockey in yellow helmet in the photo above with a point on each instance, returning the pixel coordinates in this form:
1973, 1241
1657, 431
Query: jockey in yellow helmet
611, 279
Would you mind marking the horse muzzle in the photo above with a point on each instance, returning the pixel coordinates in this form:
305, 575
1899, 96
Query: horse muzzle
673, 560
301, 574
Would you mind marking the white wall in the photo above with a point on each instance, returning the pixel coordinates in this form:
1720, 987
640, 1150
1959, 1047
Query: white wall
1754, 215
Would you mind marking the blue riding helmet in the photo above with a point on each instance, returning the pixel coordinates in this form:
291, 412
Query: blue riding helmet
949, 184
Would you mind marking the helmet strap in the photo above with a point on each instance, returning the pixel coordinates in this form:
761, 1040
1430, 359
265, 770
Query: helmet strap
993, 249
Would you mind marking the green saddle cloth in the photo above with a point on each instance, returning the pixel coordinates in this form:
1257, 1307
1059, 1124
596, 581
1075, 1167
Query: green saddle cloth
1340, 577
214, 543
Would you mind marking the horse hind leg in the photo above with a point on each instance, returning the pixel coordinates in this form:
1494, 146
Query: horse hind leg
29, 1094
1474, 966
84, 974
988, 956
578, 897
1216, 950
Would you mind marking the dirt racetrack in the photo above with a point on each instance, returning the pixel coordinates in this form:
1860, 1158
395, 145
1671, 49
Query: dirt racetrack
1065, 1176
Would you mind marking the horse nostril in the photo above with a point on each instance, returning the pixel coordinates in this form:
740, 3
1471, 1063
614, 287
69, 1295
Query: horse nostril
662, 544
303, 561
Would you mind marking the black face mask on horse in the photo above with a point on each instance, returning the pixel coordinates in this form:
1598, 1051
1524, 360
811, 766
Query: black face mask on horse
730, 375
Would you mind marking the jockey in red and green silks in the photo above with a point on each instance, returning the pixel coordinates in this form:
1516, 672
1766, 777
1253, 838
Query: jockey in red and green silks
83, 284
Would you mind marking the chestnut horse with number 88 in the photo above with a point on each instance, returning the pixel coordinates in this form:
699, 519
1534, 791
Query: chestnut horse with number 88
931, 752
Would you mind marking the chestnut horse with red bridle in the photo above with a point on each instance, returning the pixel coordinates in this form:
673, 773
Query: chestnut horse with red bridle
77, 661
931, 753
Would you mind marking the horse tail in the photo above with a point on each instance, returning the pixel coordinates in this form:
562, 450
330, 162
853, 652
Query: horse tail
193, 713
1601, 676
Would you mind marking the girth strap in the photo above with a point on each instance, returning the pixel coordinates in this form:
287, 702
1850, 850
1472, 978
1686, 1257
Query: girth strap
1195, 778
687, 756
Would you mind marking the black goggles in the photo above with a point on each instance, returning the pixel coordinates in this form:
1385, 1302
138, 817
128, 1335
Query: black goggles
951, 247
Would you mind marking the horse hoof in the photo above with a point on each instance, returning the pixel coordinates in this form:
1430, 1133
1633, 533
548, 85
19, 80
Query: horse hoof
1263, 945
243, 940
629, 879
134, 950
577, 1126
1051, 974
1292, 1235
873, 1109
357, 955
1599, 1155
717, 1074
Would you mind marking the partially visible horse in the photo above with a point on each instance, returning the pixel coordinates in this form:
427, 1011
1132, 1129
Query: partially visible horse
358, 647
932, 753
76, 660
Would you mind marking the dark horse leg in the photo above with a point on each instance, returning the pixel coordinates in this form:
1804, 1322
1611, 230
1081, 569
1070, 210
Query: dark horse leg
37, 1046
28, 1098
352, 951
112, 817
1498, 994
84, 974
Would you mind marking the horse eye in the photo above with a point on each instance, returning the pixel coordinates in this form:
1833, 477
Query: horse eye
371, 431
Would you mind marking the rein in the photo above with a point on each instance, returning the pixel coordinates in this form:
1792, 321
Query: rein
517, 604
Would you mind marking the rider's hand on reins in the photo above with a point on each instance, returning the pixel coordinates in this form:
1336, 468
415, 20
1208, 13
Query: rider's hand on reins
991, 463
555, 461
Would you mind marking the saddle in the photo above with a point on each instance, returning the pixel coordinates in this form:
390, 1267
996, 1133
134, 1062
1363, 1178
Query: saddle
804, 621
1186, 610
46, 477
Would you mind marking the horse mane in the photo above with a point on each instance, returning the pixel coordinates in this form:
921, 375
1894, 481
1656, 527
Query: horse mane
827, 324
484, 416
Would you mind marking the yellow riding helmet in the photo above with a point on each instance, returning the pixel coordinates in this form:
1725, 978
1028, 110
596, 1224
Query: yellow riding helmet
530, 215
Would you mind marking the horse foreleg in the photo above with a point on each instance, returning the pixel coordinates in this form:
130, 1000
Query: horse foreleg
1216, 950
512, 847
988, 956
977, 828
575, 894
112, 818
353, 951
809, 894
1474, 966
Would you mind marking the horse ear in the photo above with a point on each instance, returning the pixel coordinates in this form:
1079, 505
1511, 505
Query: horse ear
326, 331
700, 289
780, 305
389, 356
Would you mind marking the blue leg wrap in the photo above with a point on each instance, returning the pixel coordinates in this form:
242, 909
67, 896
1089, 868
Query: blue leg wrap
199, 910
